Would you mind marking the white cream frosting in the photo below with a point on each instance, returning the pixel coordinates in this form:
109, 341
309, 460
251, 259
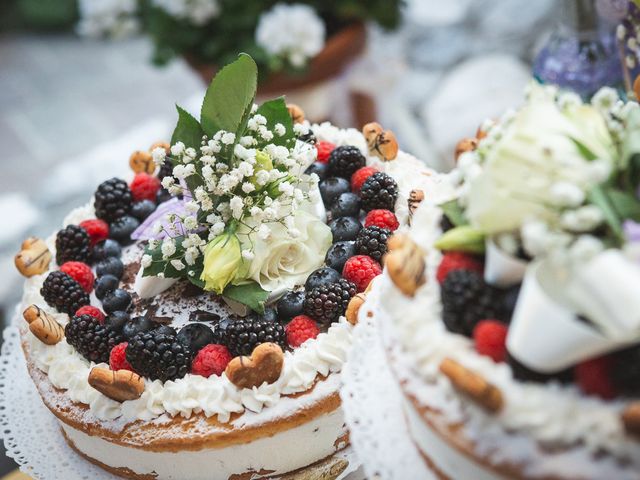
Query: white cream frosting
550, 414
216, 395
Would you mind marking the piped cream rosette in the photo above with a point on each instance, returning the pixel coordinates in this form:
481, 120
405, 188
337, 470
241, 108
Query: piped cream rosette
546, 332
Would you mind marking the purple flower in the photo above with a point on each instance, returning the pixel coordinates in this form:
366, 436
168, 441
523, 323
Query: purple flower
145, 230
631, 231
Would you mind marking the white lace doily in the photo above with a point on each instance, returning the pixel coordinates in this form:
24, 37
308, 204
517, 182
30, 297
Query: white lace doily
32, 435
372, 405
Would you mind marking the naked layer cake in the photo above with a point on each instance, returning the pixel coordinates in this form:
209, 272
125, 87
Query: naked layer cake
190, 322
509, 310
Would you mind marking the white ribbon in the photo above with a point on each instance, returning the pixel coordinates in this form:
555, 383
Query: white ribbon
502, 269
546, 333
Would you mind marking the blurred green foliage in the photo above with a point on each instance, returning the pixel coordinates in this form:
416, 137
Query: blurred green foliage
38, 14
233, 31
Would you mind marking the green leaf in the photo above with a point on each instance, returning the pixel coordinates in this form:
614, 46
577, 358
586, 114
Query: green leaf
453, 211
625, 204
250, 294
230, 96
188, 130
584, 150
599, 197
462, 239
275, 111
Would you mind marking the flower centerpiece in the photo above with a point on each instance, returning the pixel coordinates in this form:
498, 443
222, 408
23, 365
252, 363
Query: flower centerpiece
246, 223
549, 198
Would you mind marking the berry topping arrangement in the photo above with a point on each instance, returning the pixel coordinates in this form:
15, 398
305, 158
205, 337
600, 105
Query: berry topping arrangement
227, 250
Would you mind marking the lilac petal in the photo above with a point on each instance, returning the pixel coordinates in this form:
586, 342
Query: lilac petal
631, 230
145, 230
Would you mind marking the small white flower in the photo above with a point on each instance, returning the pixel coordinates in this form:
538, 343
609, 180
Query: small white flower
248, 187
294, 32
286, 188
168, 247
599, 170
191, 207
157, 228
191, 255
217, 228
566, 194
583, 219
167, 182
197, 12
145, 261
177, 149
228, 138
262, 177
177, 264
237, 206
585, 248
153, 244
294, 233
279, 129
159, 155
190, 223
605, 98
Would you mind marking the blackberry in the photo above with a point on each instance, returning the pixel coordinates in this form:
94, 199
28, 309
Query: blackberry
73, 244
467, 299
626, 371
345, 160
327, 303
372, 241
379, 191
166, 170
91, 339
525, 374
244, 334
159, 355
112, 200
63, 293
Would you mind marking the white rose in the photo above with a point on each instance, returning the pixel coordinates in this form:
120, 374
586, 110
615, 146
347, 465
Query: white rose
284, 262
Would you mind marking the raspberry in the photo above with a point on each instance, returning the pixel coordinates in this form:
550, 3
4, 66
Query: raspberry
97, 229
594, 377
81, 273
360, 176
91, 310
360, 270
144, 187
324, 150
212, 359
301, 329
490, 337
382, 218
457, 261
118, 358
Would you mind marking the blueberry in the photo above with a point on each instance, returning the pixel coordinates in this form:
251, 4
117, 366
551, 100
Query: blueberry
119, 299
143, 209
270, 315
137, 325
122, 228
106, 249
339, 253
290, 305
196, 335
345, 228
318, 168
166, 330
117, 320
105, 285
331, 188
110, 266
162, 196
320, 277
346, 205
